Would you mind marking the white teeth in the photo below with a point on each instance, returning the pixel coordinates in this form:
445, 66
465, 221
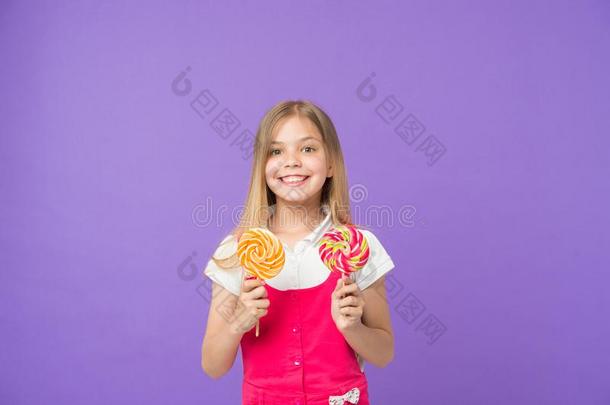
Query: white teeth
293, 179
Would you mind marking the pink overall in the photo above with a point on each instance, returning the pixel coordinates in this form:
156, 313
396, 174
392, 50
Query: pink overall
300, 357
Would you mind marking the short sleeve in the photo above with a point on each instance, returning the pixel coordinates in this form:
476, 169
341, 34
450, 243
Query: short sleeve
229, 278
379, 262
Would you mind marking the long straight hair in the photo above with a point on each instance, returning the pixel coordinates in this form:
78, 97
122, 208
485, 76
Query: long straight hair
260, 198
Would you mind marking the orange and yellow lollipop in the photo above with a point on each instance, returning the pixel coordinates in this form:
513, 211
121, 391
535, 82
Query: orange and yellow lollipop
261, 254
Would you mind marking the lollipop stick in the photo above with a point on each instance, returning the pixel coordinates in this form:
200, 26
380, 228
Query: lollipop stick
257, 322
259, 247
343, 278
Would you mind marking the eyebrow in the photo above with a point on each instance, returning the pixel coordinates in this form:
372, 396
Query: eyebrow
300, 140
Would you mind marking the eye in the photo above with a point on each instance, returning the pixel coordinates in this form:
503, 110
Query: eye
310, 147
272, 152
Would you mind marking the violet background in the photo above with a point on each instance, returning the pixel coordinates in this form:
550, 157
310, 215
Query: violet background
103, 166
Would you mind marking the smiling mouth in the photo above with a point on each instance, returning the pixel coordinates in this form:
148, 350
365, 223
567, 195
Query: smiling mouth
294, 180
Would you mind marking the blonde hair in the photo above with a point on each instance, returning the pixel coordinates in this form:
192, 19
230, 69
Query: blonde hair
335, 191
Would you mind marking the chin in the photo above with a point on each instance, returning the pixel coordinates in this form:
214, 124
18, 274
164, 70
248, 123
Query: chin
294, 197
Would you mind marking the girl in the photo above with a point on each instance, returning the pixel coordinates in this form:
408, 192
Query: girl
316, 328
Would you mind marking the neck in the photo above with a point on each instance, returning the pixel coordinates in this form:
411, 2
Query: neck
289, 217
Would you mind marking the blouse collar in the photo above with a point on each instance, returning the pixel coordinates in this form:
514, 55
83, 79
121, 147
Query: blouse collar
320, 229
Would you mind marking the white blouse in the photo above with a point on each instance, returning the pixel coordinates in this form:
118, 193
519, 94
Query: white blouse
303, 267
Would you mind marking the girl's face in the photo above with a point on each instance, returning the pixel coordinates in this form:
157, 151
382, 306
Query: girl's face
297, 165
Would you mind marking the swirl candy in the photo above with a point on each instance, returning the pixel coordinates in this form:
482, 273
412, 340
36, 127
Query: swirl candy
344, 249
261, 254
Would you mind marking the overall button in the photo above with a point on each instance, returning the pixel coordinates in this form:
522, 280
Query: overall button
298, 361
296, 329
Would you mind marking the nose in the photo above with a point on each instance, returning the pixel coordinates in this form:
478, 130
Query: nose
292, 160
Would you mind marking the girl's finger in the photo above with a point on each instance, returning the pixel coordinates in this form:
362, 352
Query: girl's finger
258, 292
350, 311
352, 289
349, 290
335, 293
250, 284
349, 301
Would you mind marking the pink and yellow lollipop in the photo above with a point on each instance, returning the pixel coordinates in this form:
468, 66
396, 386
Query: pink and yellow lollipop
261, 254
345, 249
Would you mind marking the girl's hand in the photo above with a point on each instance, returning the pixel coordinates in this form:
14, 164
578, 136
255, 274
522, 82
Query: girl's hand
251, 306
347, 304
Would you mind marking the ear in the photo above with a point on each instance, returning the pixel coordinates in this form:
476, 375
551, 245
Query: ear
330, 171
